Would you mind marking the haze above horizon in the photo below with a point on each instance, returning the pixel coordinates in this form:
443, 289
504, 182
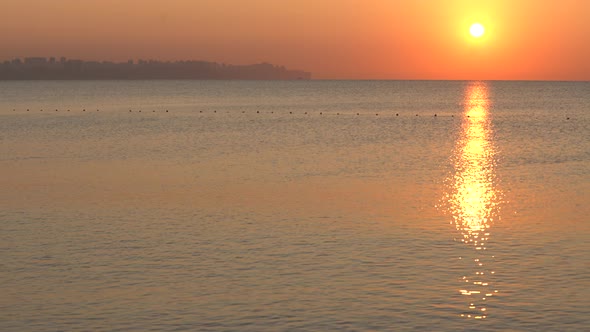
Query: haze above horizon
334, 39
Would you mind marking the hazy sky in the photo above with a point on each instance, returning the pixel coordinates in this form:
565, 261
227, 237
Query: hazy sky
383, 39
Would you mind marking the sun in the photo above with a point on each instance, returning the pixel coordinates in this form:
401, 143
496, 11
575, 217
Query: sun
477, 30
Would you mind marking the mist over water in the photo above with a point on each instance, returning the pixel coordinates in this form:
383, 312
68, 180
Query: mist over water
320, 205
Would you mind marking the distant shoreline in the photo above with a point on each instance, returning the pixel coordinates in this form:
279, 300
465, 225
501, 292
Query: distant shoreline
40, 68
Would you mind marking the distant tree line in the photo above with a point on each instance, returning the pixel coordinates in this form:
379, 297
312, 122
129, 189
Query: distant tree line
40, 68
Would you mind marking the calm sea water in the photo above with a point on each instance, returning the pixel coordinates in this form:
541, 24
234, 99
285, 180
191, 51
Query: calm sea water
269, 206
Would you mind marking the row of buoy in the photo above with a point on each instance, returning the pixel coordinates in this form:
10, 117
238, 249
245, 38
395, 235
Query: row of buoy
83, 110
337, 113
243, 112
321, 113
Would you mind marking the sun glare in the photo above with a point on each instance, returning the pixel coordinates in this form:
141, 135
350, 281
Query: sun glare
477, 30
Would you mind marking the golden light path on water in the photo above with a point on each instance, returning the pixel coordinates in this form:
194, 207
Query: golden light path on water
473, 198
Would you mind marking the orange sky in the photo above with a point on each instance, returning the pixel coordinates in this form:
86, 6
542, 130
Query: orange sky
364, 39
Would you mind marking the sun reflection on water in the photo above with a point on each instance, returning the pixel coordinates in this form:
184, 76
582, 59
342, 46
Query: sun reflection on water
473, 199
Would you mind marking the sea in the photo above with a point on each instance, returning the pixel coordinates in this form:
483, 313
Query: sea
294, 206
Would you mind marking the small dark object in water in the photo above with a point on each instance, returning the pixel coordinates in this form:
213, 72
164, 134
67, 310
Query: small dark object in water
396, 114
166, 111
434, 114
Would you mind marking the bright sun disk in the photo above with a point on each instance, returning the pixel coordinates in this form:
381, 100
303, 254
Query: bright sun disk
477, 30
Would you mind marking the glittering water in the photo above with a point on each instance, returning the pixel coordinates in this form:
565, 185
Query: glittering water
264, 206
474, 198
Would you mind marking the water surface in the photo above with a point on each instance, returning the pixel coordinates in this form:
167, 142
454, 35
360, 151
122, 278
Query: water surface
264, 206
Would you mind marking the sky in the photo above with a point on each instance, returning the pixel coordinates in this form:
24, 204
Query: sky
334, 39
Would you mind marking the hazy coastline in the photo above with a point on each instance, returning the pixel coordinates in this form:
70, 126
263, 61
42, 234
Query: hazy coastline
41, 68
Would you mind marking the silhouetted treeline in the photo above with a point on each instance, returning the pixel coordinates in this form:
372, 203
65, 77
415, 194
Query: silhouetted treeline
67, 69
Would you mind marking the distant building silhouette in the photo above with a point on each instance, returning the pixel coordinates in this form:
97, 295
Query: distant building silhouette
35, 61
39, 68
